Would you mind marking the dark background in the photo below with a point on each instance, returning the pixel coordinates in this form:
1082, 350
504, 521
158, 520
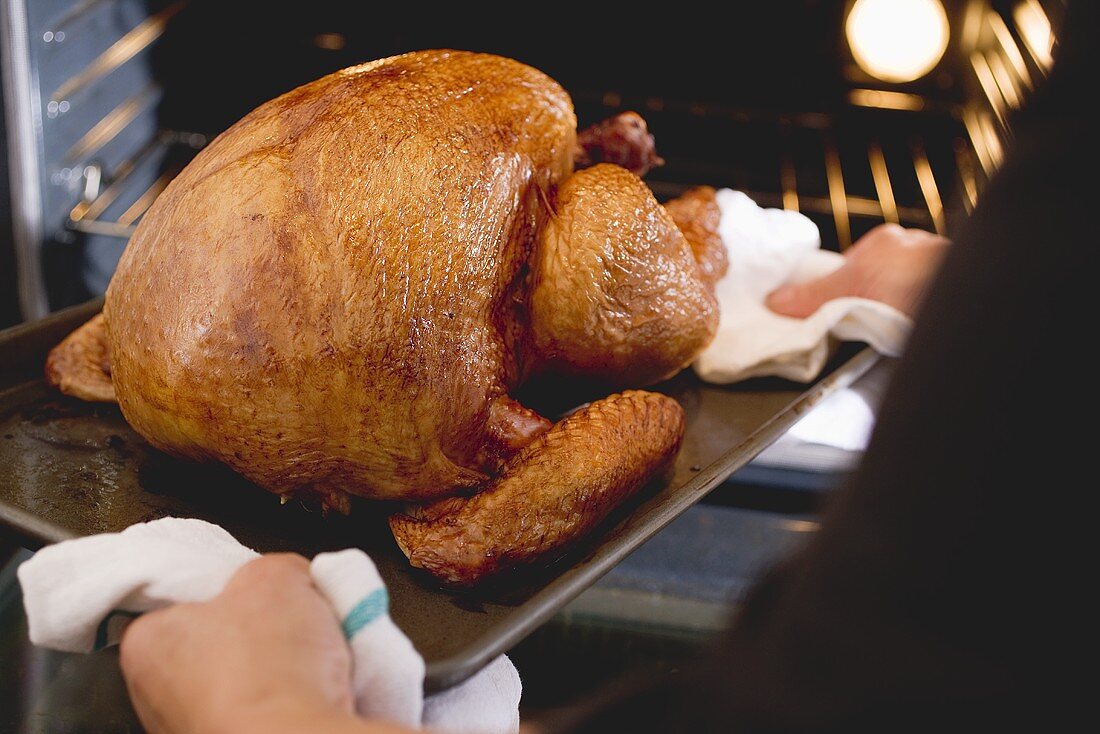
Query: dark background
778, 55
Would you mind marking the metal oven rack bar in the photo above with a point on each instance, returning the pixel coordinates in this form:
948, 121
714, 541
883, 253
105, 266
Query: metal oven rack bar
88, 214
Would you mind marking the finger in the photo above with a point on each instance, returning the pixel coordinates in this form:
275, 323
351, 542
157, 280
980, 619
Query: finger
146, 644
137, 640
803, 299
275, 570
886, 231
152, 630
146, 711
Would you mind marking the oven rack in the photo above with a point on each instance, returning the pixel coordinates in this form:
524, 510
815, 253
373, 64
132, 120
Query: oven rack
888, 156
120, 190
86, 103
844, 180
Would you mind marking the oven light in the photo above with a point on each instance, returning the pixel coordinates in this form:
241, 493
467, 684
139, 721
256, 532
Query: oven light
897, 40
1034, 27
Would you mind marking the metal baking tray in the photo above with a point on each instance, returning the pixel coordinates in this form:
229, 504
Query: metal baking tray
69, 469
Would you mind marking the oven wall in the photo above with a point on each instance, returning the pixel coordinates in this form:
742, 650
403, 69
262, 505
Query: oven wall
9, 298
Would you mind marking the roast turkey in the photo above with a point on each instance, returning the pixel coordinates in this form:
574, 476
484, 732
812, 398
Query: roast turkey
341, 294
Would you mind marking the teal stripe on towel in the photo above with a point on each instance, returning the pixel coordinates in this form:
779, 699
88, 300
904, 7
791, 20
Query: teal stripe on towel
371, 607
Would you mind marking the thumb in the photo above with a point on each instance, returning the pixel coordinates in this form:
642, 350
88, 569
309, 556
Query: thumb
802, 300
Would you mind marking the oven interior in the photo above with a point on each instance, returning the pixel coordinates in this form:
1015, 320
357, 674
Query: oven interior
106, 100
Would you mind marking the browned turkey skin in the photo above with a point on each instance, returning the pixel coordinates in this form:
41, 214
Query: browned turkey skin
339, 294
546, 497
81, 365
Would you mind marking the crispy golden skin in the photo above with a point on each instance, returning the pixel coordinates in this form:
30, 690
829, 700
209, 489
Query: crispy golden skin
334, 298
697, 215
320, 299
618, 294
80, 365
553, 492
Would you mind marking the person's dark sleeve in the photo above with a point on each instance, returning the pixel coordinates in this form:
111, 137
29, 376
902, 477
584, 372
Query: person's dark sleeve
947, 584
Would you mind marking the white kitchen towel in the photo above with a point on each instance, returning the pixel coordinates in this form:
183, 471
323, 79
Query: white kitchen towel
80, 594
769, 248
477, 700
834, 433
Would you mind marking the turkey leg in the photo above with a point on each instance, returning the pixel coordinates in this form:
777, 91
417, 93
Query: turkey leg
551, 493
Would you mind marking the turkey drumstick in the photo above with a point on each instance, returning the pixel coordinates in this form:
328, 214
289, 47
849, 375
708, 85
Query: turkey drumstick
558, 488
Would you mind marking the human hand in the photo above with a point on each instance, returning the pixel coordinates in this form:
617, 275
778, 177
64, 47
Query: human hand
890, 264
267, 654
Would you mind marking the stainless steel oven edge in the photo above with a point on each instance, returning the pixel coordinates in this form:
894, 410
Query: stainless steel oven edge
24, 124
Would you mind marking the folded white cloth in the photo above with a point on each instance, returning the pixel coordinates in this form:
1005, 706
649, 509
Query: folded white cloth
831, 436
769, 248
80, 594
490, 699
